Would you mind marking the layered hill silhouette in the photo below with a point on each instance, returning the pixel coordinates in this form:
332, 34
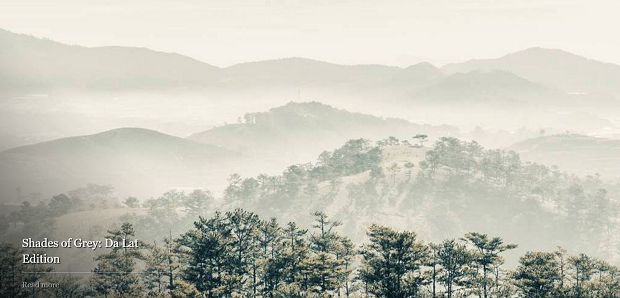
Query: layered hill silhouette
554, 68
146, 162
32, 64
441, 192
581, 154
485, 87
37, 65
297, 132
130, 159
305, 72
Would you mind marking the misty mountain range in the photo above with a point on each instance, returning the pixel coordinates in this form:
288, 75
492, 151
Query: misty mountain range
39, 65
574, 153
305, 130
555, 68
146, 163
182, 124
261, 141
126, 157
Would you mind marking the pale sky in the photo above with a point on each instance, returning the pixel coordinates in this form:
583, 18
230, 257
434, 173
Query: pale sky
392, 32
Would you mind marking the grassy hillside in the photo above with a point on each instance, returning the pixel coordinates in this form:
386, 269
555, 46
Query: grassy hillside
579, 154
441, 192
136, 161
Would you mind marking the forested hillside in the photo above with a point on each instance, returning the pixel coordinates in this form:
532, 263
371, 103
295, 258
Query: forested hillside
240, 254
361, 203
298, 132
444, 191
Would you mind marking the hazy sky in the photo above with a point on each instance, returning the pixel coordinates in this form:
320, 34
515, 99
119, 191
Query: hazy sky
394, 32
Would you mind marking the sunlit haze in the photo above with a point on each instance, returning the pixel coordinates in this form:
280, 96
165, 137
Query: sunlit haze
392, 32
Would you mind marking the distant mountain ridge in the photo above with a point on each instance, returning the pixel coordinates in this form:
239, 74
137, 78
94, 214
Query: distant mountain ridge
555, 68
307, 128
30, 63
33, 63
128, 158
580, 154
302, 71
485, 86
152, 162
128, 139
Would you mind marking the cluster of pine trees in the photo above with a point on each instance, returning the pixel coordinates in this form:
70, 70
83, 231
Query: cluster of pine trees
355, 156
238, 254
482, 187
39, 216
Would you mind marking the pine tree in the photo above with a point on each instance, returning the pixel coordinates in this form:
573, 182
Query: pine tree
206, 249
295, 252
325, 273
243, 226
155, 268
455, 260
323, 269
198, 203
270, 237
433, 262
537, 275
346, 253
486, 255
163, 266
582, 267
392, 261
116, 271
325, 238
13, 273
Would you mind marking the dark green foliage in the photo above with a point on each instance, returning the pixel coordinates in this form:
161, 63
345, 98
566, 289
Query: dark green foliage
132, 202
116, 272
38, 220
392, 262
208, 255
456, 263
537, 275
354, 157
269, 193
60, 205
457, 156
462, 186
237, 254
486, 255
493, 187
583, 267
13, 273
325, 268
163, 266
421, 138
